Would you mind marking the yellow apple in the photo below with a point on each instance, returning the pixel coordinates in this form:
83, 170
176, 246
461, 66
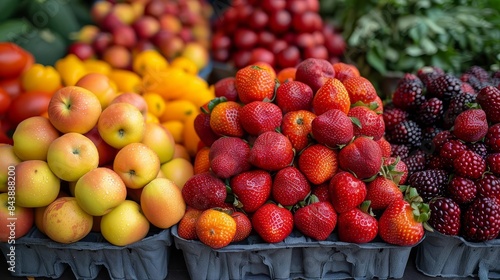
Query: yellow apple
36, 184
39, 211
137, 165
32, 138
121, 124
133, 98
99, 191
72, 155
65, 221
181, 152
125, 224
178, 170
74, 109
197, 53
160, 140
100, 85
8, 160
162, 203
15, 221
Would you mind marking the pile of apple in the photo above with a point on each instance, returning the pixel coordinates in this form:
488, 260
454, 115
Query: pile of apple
175, 28
281, 33
87, 168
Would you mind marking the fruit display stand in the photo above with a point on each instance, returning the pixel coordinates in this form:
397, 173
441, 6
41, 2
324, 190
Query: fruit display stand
38, 256
440, 255
297, 257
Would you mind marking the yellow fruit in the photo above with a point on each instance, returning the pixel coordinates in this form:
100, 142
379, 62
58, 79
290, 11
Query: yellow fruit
156, 103
178, 110
126, 81
170, 83
97, 66
149, 61
191, 138
179, 170
185, 64
176, 128
181, 152
150, 118
197, 53
198, 91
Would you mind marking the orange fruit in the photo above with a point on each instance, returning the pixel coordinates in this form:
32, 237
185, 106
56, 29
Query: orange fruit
156, 103
178, 110
286, 74
254, 83
185, 64
344, 71
202, 161
360, 89
149, 61
187, 225
177, 130
215, 228
332, 95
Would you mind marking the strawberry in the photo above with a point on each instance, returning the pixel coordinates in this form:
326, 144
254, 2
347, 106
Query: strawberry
469, 164
294, 96
321, 191
225, 117
318, 163
203, 191
332, 95
186, 227
272, 222
297, 126
471, 125
357, 225
369, 123
225, 87
360, 89
251, 188
489, 99
316, 220
332, 120
346, 191
385, 147
258, 117
401, 222
271, 151
254, 83
362, 157
229, 156
314, 72
395, 169
203, 129
290, 186
243, 226
382, 192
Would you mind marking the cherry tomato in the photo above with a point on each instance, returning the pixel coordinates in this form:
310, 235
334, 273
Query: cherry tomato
28, 104
12, 86
13, 60
5, 101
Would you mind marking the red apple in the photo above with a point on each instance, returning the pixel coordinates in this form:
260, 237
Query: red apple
262, 55
241, 58
155, 8
124, 36
82, 50
280, 21
273, 5
307, 22
265, 38
288, 57
258, 19
106, 152
316, 52
146, 26
15, 222
101, 42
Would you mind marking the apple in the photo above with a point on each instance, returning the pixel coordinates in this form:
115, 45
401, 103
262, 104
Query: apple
133, 98
125, 224
106, 152
100, 85
15, 221
65, 221
74, 109
99, 191
180, 151
179, 170
134, 194
146, 27
124, 36
121, 124
314, 72
32, 138
8, 159
136, 164
72, 155
39, 211
117, 56
162, 203
36, 184
160, 140
82, 50
197, 53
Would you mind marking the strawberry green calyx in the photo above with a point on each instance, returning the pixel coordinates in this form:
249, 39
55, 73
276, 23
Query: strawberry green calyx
214, 102
421, 210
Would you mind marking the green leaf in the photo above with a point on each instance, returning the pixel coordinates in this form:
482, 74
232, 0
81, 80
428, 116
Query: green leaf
428, 46
414, 50
355, 121
406, 22
376, 61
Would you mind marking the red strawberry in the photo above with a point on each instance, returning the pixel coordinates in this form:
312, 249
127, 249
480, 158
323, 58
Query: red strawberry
243, 226
318, 163
294, 96
225, 87
357, 226
360, 89
272, 222
385, 147
258, 117
471, 125
401, 222
271, 151
346, 191
489, 99
229, 156
316, 220
382, 192
321, 191
290, 186
297, 126
362, 157
369, 122
314, 72
203, 191
332, 95
252, 189
225, 118
395, 169
469, 164
254, 83
332, 120
203, 129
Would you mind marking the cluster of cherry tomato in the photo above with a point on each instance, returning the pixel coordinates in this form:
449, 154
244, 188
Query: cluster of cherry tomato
25, 88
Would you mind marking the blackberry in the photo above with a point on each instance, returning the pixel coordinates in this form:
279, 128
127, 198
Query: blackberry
393, 116
415, 162
479, 148
458, 103
445, 87
492, 138
429, 183
398, 150
452, 149
479, 72
488, 186
493, 163
462, 190
445, 215
437, 162
489, 99
408, 95
441, 138
429, 112
407, 132
481, 220
428, 134
469, 164
428, 74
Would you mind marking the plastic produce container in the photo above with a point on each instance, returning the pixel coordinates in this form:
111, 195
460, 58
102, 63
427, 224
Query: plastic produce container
38, 256
453, 256
297, 257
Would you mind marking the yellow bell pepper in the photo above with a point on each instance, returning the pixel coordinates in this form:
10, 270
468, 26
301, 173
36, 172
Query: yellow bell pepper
41, 78
71, 69
97, 66
125, 80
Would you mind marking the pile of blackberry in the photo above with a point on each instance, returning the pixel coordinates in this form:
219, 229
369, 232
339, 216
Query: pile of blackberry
419, 122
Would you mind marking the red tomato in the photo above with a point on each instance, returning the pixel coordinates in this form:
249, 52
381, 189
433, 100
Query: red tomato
28, 104
5, 101
11, 86
13, 60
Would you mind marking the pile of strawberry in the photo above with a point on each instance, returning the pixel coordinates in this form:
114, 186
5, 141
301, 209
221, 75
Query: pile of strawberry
306, 153
446, 129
